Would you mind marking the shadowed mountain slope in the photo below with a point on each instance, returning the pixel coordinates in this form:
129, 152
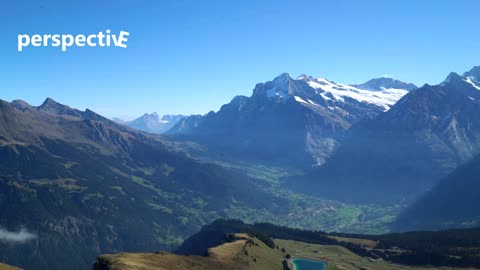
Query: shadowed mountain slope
84, 185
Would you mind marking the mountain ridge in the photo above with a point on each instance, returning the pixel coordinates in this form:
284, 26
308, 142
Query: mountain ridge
86, 185
153, 123
303, 118
382, 83
404, 151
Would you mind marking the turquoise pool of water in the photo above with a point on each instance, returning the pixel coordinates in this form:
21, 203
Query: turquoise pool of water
306, 264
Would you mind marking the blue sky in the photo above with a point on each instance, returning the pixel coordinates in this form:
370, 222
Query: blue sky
193, 56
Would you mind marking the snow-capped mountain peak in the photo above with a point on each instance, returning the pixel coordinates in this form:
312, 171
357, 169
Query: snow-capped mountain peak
474, 73
279, 87
305, 89
473, 77
284, 77
335, 92
473, 82
304, 77
383, 83
153, 115
153, 123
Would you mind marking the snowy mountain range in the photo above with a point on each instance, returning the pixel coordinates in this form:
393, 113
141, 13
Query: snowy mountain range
291, 120
153, 123
381, 92
405, 151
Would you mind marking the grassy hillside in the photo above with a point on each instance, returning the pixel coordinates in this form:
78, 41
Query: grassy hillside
8, 267
243, 252
340, 258
248, 253
454, 248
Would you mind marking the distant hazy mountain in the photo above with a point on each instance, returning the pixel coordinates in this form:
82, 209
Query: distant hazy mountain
288, 120
381, 84
118, 120
80, 185
404, 151
153, 123
453, 203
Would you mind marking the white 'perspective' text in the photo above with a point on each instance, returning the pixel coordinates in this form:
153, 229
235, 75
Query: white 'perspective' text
66, 41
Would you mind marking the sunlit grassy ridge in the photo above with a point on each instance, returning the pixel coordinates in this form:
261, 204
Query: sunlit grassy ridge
249, 253
8, 267
243, 253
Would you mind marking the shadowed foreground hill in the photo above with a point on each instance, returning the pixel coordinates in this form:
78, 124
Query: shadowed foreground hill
402, 153
454, 202
84, 185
